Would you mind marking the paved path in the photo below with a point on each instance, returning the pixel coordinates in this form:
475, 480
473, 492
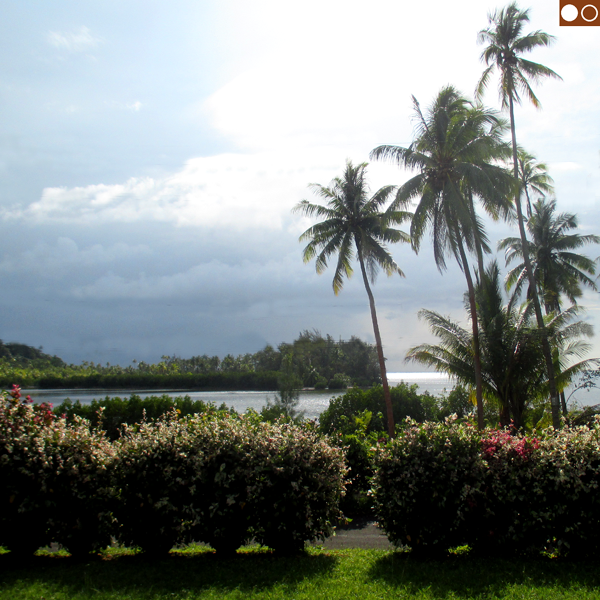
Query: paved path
359, 534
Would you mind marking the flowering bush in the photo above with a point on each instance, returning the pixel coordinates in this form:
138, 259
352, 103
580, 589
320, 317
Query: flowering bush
54, 478
439, 486
224, 481
427, 481
565, 508
299, 482
154, 478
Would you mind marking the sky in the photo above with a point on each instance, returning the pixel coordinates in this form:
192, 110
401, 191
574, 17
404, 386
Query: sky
151, 153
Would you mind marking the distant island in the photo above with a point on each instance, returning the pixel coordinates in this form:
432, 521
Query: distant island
311, 360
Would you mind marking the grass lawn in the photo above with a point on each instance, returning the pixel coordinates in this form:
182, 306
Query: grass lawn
326, 574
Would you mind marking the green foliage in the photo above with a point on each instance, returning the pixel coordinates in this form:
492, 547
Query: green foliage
456, 402
214, 477
24, 356
55, 483
338, 382
314, 358
406, 402
110, 414
285, 404
443, 485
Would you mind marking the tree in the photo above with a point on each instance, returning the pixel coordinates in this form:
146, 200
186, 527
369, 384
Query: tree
558, 270
505, 45
513, 366
354, 226
533, 176
455, 151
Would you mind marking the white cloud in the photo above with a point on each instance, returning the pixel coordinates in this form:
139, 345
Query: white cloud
226, 191
80, 40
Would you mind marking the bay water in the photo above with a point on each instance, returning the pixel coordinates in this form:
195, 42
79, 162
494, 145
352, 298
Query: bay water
312, 402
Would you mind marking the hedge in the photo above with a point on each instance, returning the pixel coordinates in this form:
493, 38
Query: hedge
216, 478
440, 485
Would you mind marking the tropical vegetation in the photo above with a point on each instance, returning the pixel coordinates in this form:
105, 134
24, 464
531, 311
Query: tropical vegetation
316, 360
355, 226
560, 271
505, 45
455, 152
513, 369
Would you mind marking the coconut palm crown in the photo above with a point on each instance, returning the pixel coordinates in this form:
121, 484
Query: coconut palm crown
559, 271
505, 43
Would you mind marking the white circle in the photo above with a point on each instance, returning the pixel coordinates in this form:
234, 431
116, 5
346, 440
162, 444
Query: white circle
569, 12
586, 6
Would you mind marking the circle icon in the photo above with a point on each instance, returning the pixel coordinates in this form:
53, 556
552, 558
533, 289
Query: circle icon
569, 12
583, 11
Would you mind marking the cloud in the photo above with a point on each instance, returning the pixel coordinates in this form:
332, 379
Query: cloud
215, 282
51, 260
233, 191
80, 40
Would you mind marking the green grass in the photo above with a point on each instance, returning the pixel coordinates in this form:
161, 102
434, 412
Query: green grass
317, 574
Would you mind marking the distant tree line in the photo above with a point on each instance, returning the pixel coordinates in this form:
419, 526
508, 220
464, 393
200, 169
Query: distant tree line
314, 360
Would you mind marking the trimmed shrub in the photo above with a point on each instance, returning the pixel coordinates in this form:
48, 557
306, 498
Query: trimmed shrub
54, 480
427, 479
224, 481
564, 510
155, 477
443, 485
299, 486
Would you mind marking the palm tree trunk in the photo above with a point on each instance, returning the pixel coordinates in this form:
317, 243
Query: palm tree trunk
478, 245
554, 402
386, 388
475, 327
563, 399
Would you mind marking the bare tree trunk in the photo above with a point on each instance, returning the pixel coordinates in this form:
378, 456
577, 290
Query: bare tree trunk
478, 245
554, 402
475, 328
386, 388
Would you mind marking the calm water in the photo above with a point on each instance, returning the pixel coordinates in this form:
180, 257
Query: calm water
313, 403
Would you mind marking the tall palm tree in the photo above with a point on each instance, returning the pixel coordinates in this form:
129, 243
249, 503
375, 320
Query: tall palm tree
354, 226
533, 176
513, 365
455, 151
505, 43
559, 271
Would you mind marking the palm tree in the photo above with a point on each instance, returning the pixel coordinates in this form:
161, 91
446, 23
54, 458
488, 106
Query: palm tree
559, 271
355, 226
533, 176
455, 151
505, 43
513, 366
